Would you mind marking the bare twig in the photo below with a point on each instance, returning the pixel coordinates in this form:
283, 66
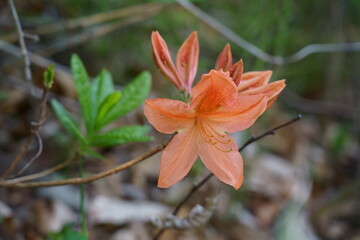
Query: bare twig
24, 51
43, 173
257, 52
36, 59
35, 127
62, 72
87, 179
207, 178
19, 156
32, 37
40, 148
270, 132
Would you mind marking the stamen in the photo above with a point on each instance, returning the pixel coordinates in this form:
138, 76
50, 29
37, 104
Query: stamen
207, 124
229, 150
206, 135
206, 127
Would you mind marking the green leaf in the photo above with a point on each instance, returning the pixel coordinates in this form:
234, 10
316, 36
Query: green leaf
121, 135
101, 88
83, 90
71, 125
49, 75
66, 233
105, 107
133, 95
88, 152
67, 121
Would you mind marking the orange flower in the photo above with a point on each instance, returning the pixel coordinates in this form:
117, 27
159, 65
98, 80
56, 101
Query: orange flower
250, 83
186, 61
216, 109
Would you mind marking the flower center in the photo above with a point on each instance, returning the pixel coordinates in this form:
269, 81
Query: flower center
211, 136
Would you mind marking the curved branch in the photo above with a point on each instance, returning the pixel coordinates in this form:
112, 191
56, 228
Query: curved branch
87, 179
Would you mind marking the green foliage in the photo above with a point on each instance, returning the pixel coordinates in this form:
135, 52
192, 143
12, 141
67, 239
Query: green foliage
66, 120
100, 88
133, 95
105, 108
49, 75
101, 105
67, 233
82, 84
121, 135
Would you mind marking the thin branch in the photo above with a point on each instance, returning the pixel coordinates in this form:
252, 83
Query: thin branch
36, 59
35, 127
87, 179
24, 51
43, 173
19, 156
270, 132
257, 52
40, 148
207, 178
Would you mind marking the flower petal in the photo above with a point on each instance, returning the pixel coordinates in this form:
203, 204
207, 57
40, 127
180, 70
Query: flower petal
271, 91
241, 115
215, 90
224, 61
254, 79
163, 61
187, 60
236, 72
226, 165
178, 157
168, 116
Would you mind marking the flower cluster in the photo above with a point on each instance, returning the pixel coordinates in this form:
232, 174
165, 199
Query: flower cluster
225, 100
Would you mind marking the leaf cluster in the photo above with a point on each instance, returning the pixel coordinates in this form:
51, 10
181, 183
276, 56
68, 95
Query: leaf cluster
100, 105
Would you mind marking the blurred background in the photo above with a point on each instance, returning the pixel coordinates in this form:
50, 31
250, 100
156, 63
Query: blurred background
302, 183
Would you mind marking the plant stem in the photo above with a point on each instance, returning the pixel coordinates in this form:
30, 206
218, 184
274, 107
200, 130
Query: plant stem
82, 198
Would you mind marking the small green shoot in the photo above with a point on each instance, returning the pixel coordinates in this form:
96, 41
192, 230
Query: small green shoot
49, 75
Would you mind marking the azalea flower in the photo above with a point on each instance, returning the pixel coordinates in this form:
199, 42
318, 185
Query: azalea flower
202, 127
186, 61
250, 83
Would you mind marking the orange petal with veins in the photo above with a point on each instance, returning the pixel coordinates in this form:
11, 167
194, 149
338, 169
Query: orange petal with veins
241, 115
213, 91
254, 79
178, 157
224, 164
167, 115
271, 91
187, 60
